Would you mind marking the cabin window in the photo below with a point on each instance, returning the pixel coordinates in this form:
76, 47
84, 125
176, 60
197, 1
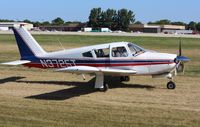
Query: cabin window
135, 49
87, 54
119, 52
101, 53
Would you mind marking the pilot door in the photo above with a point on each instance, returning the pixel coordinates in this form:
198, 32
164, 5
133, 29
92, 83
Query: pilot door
119, 56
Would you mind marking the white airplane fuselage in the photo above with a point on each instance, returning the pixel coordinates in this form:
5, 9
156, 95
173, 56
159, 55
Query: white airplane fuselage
146, 63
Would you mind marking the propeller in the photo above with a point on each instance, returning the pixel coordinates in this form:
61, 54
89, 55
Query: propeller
180, 60
180, 47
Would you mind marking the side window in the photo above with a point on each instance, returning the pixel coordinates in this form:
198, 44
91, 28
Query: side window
87, 54
101, 53
119, 52
135, 50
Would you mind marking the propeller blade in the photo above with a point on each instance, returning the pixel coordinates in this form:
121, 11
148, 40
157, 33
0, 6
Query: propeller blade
182, 59
180, 67
180, 47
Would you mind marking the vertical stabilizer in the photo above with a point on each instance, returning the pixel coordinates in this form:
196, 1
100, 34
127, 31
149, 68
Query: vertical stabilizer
27, 45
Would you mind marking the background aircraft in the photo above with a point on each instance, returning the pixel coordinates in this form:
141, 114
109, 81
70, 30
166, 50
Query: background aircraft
121, 59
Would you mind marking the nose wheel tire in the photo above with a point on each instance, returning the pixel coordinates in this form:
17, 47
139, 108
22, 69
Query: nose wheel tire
171, 85
105, 87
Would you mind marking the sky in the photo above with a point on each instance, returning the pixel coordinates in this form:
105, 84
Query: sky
78, 10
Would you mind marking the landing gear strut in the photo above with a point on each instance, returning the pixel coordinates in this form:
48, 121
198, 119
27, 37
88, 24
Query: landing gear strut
171, 85
100, 84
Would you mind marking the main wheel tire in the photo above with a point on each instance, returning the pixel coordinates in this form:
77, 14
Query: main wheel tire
105, 87
171, 85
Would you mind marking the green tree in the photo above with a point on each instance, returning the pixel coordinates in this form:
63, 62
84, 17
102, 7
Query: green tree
27, 21
36, 24
95, 17
161, 22
138, 22
58, 21
192, 25
115, 20
46, 23
178, 23
125, 17
6, 20
109, 18
164, 22
198, 26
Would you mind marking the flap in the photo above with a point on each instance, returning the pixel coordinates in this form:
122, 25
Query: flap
88, 69
79, 69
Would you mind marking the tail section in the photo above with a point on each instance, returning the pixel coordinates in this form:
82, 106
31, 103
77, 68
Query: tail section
28, 46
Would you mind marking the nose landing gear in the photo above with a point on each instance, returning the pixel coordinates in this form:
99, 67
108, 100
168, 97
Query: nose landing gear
171, 85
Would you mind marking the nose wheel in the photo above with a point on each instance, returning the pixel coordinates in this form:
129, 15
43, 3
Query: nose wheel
171, 85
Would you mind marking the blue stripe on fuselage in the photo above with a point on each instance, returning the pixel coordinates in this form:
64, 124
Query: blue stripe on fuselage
94, 61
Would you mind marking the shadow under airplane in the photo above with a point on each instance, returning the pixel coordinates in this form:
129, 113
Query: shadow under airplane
10, 79
80, 88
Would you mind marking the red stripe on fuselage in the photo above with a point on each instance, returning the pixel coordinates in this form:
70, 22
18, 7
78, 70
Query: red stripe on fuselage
38, 65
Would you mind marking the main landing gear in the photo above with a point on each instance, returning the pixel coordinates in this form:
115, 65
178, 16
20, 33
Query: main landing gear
105, 87
100, 84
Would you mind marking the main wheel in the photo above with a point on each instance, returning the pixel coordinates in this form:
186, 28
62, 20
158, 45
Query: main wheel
171, 85
105, 87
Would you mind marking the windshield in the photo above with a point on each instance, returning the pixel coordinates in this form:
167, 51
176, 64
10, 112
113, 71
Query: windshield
135, 49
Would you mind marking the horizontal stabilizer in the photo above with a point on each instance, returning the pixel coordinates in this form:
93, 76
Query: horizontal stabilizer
88, 69
17, 62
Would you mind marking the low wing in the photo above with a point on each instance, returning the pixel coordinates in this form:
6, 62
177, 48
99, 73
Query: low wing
17, 62
89, 70
79, 69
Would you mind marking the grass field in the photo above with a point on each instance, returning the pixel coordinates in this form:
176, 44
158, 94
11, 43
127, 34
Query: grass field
34, 97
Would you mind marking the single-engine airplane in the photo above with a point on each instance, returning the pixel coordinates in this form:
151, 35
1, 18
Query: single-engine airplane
122, 59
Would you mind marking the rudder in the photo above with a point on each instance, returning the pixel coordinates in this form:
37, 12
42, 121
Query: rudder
27, 45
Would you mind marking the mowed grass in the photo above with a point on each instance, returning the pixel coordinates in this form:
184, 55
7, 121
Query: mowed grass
34, 97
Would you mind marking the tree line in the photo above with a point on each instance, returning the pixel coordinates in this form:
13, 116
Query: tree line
55, 22
113, 19
110, 18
